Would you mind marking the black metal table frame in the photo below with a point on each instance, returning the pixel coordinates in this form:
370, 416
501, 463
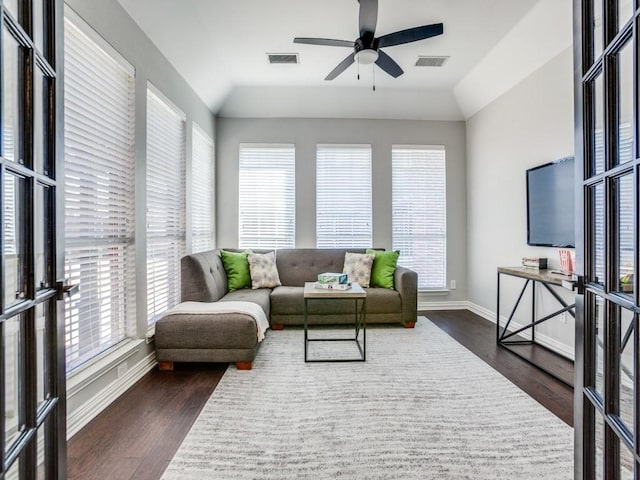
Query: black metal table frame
503, 336
360, 321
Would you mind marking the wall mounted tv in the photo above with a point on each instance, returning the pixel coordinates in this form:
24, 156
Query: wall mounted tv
551, 204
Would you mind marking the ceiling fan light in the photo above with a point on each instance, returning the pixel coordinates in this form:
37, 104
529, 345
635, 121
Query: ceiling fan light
366, 56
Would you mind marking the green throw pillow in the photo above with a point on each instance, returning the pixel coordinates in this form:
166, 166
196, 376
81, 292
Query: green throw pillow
384, 266
236, 265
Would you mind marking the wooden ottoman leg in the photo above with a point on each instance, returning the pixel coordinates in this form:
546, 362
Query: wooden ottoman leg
277, 326
409, 324
165, 366
244, 365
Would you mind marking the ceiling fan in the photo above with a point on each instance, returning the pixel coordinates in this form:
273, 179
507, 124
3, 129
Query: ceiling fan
366, 48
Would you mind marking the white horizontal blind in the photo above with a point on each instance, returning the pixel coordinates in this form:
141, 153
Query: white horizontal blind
343, 196
99, 196
267, 196
202, 192
165, 203
419, 212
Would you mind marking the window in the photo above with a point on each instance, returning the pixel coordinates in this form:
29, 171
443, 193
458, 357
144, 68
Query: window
99, 194
420, 212
202, 192
343, 196
267, 203
165, 203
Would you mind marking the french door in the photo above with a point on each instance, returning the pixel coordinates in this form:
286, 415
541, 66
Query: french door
32, 387
607, 414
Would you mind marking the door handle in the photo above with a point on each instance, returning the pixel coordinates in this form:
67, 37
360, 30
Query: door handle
62, 288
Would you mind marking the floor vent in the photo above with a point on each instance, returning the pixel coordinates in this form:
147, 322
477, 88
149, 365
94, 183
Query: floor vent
283, 57
431, 61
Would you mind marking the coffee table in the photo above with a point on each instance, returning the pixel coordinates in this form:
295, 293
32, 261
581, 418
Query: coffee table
359, 297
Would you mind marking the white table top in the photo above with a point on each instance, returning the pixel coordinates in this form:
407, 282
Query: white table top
355, 291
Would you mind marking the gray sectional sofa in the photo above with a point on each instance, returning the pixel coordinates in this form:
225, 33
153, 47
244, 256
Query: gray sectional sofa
204, 280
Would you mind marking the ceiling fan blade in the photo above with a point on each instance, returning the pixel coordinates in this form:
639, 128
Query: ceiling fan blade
388, 64
342, 66
410, 35
368, 17
324, 41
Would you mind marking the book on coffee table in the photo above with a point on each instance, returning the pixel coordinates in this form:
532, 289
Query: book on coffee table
332, 286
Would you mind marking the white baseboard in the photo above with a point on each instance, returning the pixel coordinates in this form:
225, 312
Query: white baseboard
89, 410
551, 343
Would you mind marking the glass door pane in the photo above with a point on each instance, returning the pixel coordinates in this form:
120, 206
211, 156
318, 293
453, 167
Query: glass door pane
43, 354
13, 372
12, 90
625, 11
625, 104
12, 7
596, 25
14, 240
627, 374
623, 190
38, 25
596, 201
43, 238
597, 142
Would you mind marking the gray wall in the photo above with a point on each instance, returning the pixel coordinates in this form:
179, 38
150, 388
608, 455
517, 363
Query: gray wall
381, 135
529, 125
91, 390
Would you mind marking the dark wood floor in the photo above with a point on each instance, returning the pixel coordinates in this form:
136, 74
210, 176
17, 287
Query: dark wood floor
136, 436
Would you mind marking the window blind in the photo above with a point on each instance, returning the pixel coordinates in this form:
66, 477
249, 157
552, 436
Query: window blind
267, 196
343, 196
420, 212
165, 203
202, 192
99, 195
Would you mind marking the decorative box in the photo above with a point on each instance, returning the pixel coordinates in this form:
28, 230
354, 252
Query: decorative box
333, 278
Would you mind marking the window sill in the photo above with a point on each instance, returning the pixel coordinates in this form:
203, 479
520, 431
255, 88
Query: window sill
434, 292
103, 363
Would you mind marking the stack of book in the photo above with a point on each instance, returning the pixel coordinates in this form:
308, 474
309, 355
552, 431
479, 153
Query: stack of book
536, 262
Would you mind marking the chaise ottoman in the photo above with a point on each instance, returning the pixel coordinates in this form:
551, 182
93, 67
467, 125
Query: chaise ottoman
210, 332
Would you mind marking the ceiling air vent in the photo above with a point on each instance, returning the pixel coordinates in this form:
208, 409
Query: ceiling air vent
283, 57
431, 61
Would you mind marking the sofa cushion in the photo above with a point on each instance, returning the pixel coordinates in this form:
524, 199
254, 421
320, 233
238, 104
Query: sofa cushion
260, 296
287, 300
290, 301
358, 267
264, 273
384, 266
237, 267
383, 300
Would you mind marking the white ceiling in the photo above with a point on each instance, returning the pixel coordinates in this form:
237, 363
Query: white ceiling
220, 47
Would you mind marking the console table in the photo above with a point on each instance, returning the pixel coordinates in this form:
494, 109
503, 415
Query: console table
550, 281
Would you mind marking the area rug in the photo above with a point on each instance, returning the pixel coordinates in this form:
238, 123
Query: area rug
421, 407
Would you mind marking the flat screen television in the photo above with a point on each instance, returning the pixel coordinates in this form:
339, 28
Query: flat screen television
551, 204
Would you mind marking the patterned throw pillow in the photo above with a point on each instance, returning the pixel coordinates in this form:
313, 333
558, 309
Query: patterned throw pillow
357, 266
264, 273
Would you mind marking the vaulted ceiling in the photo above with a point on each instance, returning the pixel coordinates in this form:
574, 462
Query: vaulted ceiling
220, 47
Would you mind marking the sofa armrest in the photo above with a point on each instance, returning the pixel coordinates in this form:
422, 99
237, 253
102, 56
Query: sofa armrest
406, 283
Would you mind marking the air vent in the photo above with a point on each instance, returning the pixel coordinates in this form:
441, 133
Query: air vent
283, 57
431, 61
